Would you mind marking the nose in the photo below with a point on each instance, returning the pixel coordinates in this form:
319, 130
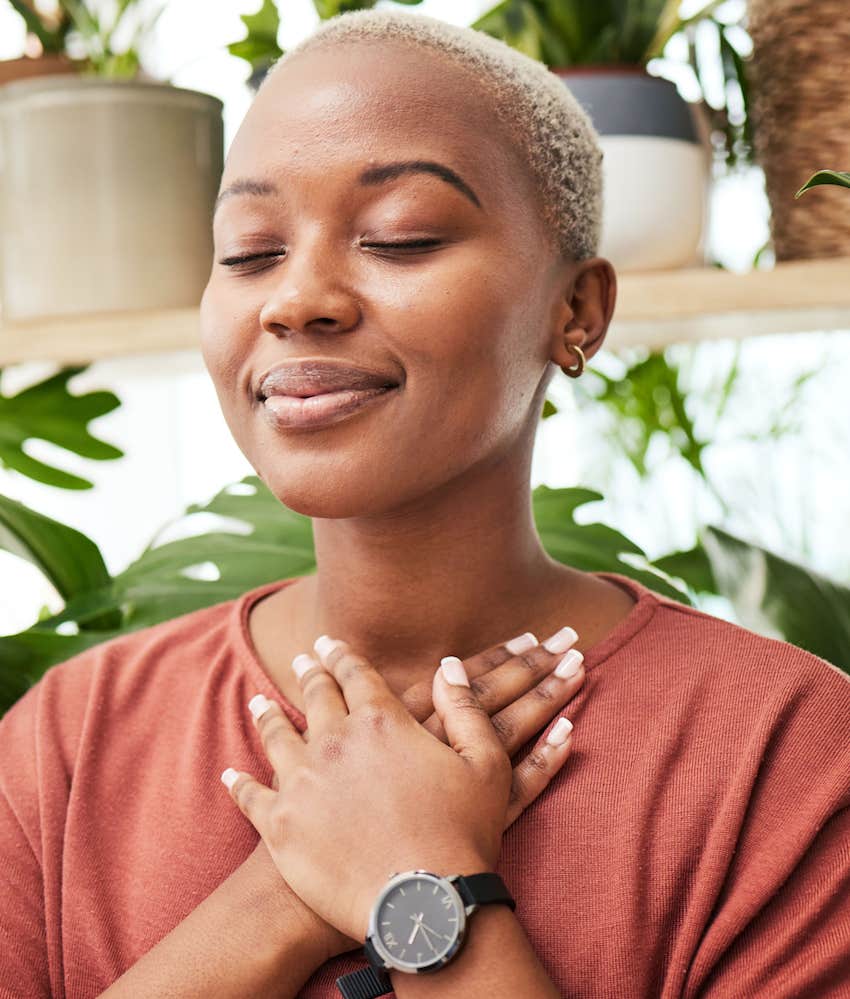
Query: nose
309, 293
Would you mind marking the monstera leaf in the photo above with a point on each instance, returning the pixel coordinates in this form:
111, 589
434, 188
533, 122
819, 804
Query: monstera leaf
593, 547
770, 594
49, 412
258, 541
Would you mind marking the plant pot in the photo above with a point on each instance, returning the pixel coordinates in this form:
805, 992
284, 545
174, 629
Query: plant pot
656, 166
800, 104
45, 65
106, 195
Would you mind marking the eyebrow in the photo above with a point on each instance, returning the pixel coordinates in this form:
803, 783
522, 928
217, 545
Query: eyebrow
371, 177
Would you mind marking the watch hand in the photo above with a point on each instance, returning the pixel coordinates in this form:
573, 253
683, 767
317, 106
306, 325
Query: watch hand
427, 941
418, 923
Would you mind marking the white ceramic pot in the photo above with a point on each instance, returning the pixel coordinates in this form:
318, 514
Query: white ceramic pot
656, 167
106, 195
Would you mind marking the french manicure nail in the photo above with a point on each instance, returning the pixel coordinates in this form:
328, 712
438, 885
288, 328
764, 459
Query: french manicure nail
258, 704
569, 665
521, 643
560, 730
453, 671
228, 777
324, 645
301, 663
561, 640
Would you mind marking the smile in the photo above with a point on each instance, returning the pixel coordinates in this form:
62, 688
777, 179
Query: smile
295, 412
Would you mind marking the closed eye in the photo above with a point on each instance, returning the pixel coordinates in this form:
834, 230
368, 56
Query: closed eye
235, 261
414, 244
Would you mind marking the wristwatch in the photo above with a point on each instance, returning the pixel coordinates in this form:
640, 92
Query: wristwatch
418, 924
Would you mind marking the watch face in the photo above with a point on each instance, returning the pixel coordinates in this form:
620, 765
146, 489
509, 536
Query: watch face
418, 922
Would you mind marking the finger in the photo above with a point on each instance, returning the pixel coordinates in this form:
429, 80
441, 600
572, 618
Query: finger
254, 799
361, 683
533, 775
281, 740
418, 700
527, 715
324, 705
503, 686
467, 724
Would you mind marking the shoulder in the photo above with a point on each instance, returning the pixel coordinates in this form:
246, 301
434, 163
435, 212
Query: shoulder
766, 663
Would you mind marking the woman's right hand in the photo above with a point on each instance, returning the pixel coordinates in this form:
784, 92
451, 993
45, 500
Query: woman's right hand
522, 695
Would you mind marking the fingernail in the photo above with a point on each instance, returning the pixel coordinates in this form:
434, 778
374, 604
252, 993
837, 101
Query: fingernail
561, 640
521, 643
324, 645
258, 704
228, 777
453, 671
569, 665
560, 730
301, 663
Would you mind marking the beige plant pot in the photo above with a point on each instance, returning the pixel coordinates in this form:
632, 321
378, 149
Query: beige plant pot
106, 195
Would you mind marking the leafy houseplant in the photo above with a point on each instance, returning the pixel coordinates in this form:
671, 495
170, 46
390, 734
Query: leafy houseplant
101, 115
657, 147
93, 29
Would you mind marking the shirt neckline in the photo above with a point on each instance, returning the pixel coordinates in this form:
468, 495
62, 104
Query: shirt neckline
647, 602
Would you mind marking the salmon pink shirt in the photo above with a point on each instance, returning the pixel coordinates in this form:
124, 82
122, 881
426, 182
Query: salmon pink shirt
695, 845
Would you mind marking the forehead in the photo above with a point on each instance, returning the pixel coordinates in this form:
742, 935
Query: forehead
352, 104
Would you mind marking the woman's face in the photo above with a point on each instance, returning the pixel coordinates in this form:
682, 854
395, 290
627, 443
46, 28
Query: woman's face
464, 325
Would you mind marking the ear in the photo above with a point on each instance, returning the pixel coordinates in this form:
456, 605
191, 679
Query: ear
585, 309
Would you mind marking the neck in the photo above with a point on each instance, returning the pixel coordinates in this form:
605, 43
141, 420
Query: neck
458, 571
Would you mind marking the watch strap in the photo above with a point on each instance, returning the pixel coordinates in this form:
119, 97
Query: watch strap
366, 983
483, 889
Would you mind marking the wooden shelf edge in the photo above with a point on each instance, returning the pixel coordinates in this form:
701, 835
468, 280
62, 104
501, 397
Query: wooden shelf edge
654, 308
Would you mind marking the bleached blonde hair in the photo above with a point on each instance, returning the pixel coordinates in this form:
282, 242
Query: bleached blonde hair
551, 131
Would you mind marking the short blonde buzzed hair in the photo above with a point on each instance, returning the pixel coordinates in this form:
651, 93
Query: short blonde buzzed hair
552, 132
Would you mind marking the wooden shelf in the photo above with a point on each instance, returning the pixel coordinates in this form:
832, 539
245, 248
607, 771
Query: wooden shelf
654, 308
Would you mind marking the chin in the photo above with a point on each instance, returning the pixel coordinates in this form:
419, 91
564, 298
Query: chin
329, 496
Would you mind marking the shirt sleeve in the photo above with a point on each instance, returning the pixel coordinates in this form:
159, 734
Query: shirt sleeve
799, 943
781, 925
24, 970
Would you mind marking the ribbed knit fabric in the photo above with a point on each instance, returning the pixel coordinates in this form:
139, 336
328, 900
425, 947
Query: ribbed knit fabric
696, 843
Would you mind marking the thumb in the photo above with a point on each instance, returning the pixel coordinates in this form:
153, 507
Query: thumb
467, 724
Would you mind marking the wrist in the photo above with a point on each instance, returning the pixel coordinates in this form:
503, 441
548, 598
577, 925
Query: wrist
264, 897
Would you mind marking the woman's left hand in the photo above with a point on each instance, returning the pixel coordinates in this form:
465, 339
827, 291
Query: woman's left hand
373, 792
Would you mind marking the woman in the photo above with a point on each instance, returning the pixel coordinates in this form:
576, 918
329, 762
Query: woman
695, 845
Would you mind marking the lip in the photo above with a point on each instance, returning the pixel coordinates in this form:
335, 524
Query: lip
309, 376
321, 410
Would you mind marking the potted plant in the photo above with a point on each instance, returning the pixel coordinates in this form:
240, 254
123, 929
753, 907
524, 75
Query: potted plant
657, 146
109, 175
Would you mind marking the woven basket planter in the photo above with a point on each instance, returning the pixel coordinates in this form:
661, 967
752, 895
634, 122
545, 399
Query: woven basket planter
800, 103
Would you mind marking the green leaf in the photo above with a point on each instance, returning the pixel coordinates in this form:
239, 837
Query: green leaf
549, 409
837, 177
49, 412
71, 561
773, 595
592, 547
51, 41
259, 46
692, 566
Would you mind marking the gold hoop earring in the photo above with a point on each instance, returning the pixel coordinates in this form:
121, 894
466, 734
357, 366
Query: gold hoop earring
574, 372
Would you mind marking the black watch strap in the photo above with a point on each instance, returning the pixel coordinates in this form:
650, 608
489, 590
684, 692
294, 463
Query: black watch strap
364, 984
474, 889
483, 889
